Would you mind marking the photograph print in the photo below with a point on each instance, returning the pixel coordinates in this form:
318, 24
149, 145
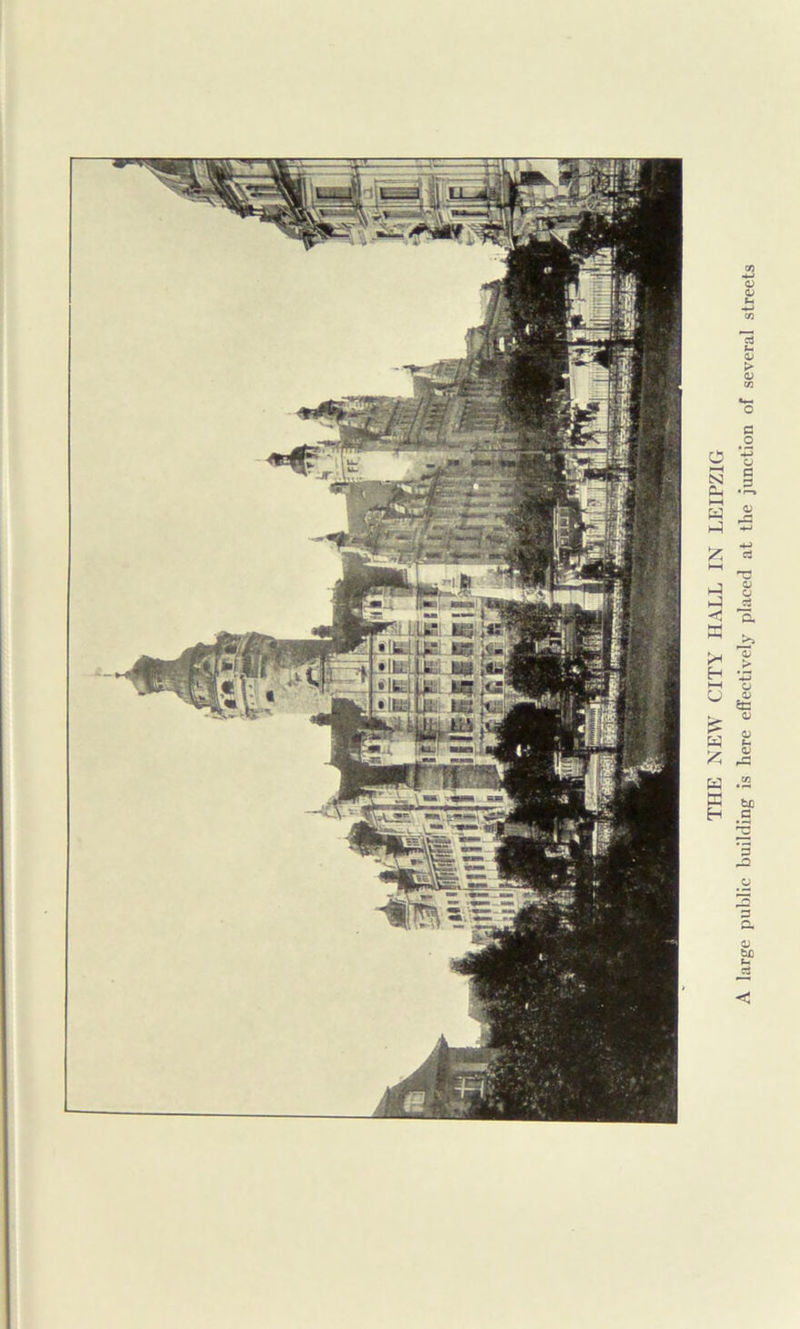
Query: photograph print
382, 454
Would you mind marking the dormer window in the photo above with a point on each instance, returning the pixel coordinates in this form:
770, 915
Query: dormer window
414, 1102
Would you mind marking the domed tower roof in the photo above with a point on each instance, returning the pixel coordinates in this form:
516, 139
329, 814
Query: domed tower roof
240, 674
298, 458
141, 675
177, 173
151, 674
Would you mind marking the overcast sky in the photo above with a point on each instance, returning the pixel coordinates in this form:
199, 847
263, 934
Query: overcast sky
225, 953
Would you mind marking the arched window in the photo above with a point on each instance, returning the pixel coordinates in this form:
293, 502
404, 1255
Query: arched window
270, 695
230, 705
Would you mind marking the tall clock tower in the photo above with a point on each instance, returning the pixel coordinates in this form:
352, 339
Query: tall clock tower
241, 674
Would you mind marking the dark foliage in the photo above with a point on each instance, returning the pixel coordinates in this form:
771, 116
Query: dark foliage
531, 620
646, 239
532, 378
531, 544
526, 731
537, 795
585, 1018
535, 283
524, 859
534, 673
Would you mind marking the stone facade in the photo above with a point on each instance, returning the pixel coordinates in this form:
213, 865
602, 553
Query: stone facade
449, 527
438, 674
443, 825
248, 675
455, 411
360, 200
242, 675
433, 678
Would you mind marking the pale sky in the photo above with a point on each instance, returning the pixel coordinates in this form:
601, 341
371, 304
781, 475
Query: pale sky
225, 952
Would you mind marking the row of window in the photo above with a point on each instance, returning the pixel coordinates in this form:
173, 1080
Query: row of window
397, 193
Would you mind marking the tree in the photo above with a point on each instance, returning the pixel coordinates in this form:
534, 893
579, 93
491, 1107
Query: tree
522, 858
322, 631
534, 674
526, 731
532, 377
646, 238
322, 718
594, 231
531, 544
584, 1017
537, 620
535, 284
539, 798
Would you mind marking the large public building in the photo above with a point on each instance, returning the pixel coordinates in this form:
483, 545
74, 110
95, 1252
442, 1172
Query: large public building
430, 682
430, 480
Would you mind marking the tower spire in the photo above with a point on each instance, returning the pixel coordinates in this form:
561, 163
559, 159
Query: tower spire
239, 674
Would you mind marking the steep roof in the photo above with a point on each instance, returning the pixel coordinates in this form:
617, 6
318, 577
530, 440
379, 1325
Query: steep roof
429, 1077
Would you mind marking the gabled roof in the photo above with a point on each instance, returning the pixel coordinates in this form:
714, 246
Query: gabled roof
429, 1077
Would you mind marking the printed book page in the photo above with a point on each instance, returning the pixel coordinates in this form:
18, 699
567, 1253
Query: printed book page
455, 490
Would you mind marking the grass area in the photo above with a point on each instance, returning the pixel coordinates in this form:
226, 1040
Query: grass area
652, 672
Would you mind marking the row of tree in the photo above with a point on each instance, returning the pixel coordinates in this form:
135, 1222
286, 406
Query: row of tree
527, 740
535, 285
584, 1015
646, 237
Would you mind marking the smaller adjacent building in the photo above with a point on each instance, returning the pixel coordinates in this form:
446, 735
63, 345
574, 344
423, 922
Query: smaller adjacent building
443, 823
448, 1084
411, 200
